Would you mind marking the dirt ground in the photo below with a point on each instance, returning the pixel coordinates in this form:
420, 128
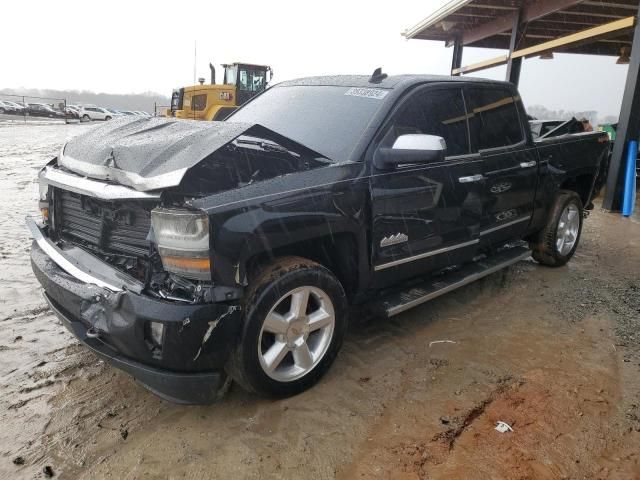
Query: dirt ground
552, 352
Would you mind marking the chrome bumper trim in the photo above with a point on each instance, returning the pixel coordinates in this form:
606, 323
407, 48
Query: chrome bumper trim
62, 261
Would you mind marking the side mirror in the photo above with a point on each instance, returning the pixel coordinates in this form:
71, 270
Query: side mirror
411, 148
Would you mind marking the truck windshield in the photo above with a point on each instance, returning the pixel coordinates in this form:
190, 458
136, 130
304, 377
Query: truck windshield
328, 119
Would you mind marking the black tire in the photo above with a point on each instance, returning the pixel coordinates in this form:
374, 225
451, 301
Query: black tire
86, 118
1, 110
265, 292
545, 245
106, 119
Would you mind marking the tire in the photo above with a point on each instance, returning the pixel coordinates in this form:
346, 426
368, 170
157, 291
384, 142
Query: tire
86, 118
2, 110
106, 119
287, 355
556, 243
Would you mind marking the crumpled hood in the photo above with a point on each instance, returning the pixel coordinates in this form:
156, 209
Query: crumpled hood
146, 153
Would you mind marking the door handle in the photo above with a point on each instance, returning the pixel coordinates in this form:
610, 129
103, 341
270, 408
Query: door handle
471, 179
528, 164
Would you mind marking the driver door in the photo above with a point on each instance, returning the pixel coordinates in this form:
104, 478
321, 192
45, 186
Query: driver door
426, 215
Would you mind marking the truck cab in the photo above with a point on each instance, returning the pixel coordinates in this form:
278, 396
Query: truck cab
242, 82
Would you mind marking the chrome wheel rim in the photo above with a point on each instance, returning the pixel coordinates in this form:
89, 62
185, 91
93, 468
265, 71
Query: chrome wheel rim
567, 231
296, 334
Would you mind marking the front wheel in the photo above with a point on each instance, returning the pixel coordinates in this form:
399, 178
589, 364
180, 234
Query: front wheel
556, 243
86, 118
295, 318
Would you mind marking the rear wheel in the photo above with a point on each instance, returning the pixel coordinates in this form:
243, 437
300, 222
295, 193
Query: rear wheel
295, 321
86, 118
107, 118
557, 241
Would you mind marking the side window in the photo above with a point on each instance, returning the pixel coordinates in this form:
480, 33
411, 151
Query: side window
493, 118
199, 102
435, 112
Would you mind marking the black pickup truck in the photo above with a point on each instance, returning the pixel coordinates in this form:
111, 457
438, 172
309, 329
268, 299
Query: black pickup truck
189, 253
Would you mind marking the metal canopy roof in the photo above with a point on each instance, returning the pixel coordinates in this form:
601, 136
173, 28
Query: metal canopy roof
488, 24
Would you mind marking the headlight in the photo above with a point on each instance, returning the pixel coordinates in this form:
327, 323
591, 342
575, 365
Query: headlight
182, 237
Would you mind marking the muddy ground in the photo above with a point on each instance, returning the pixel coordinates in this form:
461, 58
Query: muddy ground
553, 352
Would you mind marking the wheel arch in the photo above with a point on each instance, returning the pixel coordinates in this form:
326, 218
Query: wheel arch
338, 252
582, 184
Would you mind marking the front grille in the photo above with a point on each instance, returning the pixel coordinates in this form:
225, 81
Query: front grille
114, 229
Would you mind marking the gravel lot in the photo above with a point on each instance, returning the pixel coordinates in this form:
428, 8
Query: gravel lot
553, 352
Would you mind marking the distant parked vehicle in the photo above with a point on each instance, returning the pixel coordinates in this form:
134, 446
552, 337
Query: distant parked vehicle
141, 113
127, 112
43, 110
19, 109
116, 113
88, 113
72, 111
6, 107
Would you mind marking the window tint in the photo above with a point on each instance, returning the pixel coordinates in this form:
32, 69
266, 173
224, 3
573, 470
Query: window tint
199, 102
493, 118
439, 112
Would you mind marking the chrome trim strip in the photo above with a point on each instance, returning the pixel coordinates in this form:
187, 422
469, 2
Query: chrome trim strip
505, 225
134, 180
471, 278
92, 188
424, 255
58, 257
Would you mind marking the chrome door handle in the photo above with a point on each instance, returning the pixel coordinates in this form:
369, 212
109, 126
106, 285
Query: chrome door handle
471, 179
528, 164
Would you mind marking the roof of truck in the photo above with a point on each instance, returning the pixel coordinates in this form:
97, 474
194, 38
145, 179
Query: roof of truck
390, 82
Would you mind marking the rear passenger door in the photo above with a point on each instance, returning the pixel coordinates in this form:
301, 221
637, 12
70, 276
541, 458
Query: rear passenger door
509, 163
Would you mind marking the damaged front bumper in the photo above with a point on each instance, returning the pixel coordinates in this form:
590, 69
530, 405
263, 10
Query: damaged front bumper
107, 311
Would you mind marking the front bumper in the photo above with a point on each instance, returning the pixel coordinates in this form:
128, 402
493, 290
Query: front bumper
113, 320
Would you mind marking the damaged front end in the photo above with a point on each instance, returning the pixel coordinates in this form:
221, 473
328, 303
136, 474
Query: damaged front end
127, 260
129, 275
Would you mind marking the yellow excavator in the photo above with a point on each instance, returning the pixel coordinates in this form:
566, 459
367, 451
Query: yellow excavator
242, 81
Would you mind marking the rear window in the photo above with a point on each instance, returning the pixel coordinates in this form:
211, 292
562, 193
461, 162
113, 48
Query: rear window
493, 118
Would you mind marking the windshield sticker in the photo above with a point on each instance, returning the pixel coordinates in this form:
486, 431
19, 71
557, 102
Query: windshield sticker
367, 92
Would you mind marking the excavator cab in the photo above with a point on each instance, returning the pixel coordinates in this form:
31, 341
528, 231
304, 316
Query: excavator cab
249, 80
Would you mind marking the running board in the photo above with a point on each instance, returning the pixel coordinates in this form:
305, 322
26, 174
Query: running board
434, 287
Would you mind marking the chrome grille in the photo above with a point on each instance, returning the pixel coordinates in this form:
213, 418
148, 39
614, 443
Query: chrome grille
111, 227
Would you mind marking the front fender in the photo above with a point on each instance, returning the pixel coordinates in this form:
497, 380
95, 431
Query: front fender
289, 215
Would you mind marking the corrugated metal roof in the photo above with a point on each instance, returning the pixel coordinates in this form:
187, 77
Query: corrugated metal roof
488, 23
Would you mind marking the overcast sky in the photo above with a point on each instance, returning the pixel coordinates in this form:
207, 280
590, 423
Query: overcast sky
137, 46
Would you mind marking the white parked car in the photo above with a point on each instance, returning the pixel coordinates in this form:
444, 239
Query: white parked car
88, 113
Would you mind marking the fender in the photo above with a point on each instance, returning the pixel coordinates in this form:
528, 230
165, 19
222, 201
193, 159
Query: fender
286, 211
563, 160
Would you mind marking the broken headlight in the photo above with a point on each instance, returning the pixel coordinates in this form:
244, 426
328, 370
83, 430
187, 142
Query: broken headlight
182, 237
43, 199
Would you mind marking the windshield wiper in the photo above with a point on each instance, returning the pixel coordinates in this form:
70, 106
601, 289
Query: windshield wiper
269, 147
